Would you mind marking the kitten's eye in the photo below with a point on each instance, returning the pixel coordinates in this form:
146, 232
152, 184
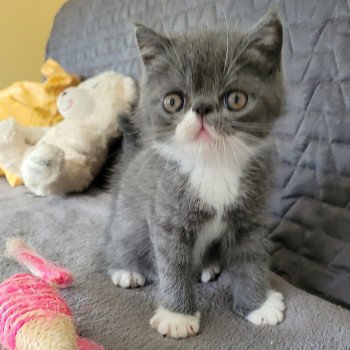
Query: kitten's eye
235, 100
96, 85
173, 102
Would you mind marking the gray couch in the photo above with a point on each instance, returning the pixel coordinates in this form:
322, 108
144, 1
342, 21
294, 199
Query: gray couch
310, 220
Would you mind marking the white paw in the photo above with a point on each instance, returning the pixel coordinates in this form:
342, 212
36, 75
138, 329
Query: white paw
175, 325
210, 273
9, 132
126, 279
271, 312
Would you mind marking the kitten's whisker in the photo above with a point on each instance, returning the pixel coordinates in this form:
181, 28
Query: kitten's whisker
193, 83
260, 91
177, 55
140, 169
159, 128
235, 156
161, 179
258, 161
252, 153
177, 162
238, 122
225, 179
169, 38
148, 140
149, 134
226, 55
154, 136
244, 46
217, 151
173, 65
238, 68
253, 138
243, 145
232, 64
244, 127
237, 119
155, 164
225, 154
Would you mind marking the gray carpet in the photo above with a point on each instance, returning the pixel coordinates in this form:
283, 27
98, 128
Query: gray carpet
69, 231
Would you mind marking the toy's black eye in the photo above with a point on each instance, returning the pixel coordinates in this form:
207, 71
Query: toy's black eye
173, 102
235, 100
95, 86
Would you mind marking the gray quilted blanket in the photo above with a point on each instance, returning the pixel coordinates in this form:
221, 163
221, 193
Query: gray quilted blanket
69, 231
310, 204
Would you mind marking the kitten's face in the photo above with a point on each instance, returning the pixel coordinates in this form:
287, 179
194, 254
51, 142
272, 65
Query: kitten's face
205, 90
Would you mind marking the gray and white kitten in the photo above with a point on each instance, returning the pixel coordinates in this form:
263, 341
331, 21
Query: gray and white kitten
195, 174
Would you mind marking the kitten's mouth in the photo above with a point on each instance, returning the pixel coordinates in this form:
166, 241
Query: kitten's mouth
203, 134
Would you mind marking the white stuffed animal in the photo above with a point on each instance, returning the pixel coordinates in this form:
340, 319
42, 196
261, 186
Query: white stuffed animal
67, 157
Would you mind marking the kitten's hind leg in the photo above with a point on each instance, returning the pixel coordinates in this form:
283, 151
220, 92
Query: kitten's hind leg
252, 297
129, 254
210, 273
211, 264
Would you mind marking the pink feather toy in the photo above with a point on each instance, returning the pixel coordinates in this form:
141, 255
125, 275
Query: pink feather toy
33, 315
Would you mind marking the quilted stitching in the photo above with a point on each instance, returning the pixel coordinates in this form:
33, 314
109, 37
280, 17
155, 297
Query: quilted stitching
310, 203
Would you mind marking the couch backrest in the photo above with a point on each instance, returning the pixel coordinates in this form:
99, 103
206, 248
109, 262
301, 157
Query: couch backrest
310, 206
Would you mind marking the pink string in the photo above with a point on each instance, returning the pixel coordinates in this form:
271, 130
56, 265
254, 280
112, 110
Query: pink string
87, 344
21, 295
48, 271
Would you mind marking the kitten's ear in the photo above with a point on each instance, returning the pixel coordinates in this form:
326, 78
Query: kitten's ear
266, 40
150, 43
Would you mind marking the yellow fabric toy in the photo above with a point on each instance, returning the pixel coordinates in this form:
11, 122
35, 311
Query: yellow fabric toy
34, 104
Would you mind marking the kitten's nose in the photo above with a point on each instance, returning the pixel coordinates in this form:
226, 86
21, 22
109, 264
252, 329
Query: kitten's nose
203, 107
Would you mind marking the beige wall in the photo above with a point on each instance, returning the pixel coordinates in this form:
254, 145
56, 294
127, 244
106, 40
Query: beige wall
24, 29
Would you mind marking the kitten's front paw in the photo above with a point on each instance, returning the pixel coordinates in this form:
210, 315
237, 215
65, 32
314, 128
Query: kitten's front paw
175, 325
210, 273
270, 312
127, 279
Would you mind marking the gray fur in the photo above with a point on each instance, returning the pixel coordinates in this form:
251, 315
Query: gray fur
157, 217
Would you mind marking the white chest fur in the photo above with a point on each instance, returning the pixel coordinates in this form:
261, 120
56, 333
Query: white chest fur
216, 178
214, 174
216, 184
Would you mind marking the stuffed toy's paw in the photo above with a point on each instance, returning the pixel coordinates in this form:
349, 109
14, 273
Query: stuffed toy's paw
12, 148
43, 165
10, 132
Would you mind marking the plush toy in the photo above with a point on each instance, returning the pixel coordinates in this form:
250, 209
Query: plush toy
33, 104
33, 314
67, 157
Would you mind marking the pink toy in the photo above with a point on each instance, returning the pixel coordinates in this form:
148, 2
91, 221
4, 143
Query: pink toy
32, 313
